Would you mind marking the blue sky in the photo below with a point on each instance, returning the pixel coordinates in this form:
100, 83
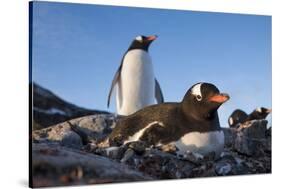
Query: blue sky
77, 49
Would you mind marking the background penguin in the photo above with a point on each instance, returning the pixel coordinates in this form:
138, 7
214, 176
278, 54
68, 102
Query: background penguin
191, 125
237, 116
259, 113
135, 80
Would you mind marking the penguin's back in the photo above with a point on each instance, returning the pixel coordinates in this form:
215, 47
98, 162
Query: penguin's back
148, 120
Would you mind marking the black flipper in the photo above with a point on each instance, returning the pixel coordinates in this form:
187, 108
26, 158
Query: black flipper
158, 93
114, 82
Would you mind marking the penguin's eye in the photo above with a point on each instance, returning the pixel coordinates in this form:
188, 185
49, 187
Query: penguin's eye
198, 97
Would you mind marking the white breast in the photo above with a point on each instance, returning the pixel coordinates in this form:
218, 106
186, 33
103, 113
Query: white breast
137, 86
202, 143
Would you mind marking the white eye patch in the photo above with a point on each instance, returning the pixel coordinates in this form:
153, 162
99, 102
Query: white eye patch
196, 90
139, 38
230, 120
258, 110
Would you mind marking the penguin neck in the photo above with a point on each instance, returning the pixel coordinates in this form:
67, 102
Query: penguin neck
203, 117
139, 46
205, 122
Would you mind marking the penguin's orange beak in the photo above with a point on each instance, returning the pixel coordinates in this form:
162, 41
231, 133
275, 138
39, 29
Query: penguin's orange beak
151, 38
219, 98
269, 111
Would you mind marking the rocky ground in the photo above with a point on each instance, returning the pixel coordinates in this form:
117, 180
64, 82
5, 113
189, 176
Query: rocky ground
68, 154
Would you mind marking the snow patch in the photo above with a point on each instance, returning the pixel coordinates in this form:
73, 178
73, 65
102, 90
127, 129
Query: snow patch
50, 111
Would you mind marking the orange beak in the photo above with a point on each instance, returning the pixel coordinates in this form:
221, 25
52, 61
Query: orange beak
151, 38
219, 98
269, 111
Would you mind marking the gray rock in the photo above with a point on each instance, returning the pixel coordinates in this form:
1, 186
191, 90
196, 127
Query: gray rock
251, 137
72, 140
138, 146
113, 152
223, 168
204, 170
55, 165
163, 165
268, 132
192, 157
247, 151
128, 155
90, 147
95, 127
229, 136
268, 139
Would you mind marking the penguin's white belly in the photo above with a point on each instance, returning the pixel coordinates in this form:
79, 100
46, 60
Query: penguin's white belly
202, 143
137, 84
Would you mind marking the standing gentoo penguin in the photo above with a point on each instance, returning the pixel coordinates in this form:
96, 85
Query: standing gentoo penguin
135, 80
191, 125
237, 116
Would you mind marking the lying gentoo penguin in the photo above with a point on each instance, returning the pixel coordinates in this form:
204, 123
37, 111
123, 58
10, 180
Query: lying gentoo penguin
137, 86
259, 113
191, 125
237, 116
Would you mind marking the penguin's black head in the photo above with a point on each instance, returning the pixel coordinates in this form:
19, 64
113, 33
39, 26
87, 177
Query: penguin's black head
142, 42
202, 101
237, 116
260, 113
